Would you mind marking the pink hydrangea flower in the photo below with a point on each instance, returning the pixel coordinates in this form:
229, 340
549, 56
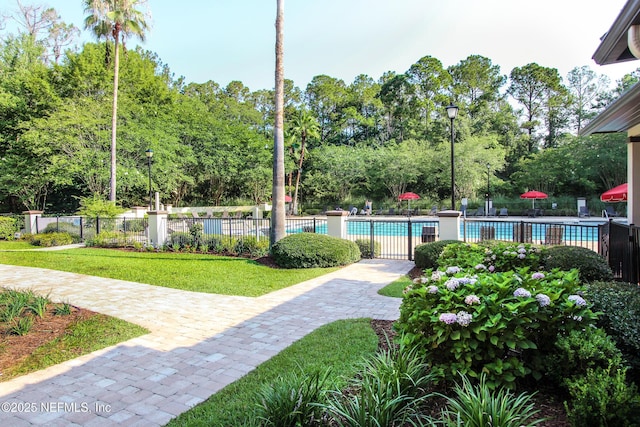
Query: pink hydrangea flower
537, 276
463, 318
521, 292
577, 300
471, 299
448, 318
543, 300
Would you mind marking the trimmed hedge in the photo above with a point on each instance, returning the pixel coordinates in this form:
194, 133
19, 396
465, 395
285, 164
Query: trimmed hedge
619, 304
8, 227
365, 248
51, 239
308, 250
592, 266
426, 255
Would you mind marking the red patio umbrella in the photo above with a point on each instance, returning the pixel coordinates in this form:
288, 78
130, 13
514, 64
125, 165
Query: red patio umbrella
616, 194
533, 195
287, 198
408, 196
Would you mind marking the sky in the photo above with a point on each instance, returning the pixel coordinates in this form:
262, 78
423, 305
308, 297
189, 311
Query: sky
226, 40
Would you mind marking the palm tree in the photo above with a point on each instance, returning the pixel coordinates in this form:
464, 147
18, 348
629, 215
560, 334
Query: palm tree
117, 19
278, 214
304, 126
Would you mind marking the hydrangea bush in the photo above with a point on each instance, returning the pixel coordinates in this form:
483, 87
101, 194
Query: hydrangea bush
473, 321
494, 255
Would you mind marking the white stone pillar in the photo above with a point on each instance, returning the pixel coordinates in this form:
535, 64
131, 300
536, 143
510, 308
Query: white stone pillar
256, 212
158, 228
449, 225
337, 224
30, 225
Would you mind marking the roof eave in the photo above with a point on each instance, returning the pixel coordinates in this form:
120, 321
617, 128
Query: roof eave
613, 47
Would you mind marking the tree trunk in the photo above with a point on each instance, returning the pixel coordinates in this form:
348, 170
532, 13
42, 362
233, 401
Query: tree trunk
278, 216
114, 117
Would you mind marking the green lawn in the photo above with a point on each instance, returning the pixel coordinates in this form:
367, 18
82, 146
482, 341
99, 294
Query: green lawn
82, 337
191, 272
12, 245
394, 289
341, 345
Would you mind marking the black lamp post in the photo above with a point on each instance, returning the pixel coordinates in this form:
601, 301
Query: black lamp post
149, 154
452, 112
488, 193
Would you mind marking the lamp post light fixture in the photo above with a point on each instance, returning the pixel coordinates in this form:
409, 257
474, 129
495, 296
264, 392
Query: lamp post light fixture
149, 153
488, 188
452, 112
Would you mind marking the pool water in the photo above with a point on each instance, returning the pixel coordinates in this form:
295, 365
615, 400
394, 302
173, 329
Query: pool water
504, 230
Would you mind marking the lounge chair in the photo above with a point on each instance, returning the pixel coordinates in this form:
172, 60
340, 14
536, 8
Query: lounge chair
353, 211
492, 212
522, 233
553, 235
487, 233
225, 215
195, 214
584, 212
238, 215
503, 212
610, 213
480, 211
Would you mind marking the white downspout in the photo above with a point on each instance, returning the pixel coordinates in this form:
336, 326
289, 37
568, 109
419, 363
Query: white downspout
633, 40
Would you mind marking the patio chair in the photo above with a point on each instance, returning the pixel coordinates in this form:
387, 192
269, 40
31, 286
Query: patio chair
522, 233
195, 214
553, 235
610, 212
428, 234
238, 215
487, 233
480, 211
503, 212
492, 212
584, 212
225, 214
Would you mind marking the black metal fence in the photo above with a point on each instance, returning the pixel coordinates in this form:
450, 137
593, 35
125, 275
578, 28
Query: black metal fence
394, 238
620, 246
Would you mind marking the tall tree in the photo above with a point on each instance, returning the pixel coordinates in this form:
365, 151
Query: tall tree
586, 88
278, 215
303, 128
117, 19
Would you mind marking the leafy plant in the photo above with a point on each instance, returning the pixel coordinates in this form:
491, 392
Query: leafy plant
292, 400
96, 207
470, 322
51, 239
426, 255
63, 309
308, 250
592, 266
39, 305
602, 398
494, 255
389, 391
8, 227
111, 239
365, 248
251, 246
480, 406
619, 304
21, 326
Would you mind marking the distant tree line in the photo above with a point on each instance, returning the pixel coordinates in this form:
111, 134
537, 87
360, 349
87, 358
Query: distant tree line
368, 139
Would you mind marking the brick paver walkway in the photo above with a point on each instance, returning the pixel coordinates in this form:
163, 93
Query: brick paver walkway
198, 343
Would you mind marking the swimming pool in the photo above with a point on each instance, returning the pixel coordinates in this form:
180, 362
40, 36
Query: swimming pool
470, 230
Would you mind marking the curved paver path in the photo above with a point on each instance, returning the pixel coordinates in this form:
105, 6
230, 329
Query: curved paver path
198, 343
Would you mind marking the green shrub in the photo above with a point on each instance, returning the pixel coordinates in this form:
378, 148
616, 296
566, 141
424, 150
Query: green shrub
580, 350
307, 250
391, 389
619, 304
64, 227
493, 255
592, 266
51, 239
178, 240
365, 248
95, 206
501, 324
480, 406
110, 239
251, 246
602, 398
293, 400
8, 227
426, 255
